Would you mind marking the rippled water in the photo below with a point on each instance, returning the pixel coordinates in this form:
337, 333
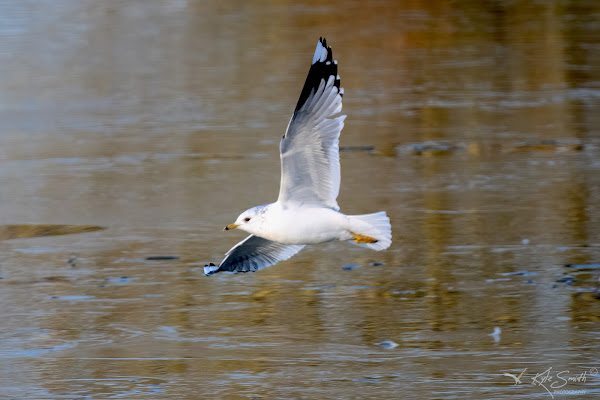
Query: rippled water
132, 132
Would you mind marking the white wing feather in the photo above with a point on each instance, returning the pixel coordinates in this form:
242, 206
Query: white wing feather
310, 161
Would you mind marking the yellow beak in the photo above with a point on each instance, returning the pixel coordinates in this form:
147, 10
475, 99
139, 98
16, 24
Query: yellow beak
230, 226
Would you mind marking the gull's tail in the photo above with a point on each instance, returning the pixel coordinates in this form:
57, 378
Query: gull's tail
371, 230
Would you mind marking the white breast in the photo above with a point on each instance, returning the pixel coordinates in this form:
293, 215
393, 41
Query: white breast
300, 225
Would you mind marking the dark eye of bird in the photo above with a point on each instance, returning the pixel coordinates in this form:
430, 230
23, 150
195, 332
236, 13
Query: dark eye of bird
246, 219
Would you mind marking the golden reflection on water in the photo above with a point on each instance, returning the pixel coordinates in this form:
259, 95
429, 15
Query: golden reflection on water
24, 231
474, 125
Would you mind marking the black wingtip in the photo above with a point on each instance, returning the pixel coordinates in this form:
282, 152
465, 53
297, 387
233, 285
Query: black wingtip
210, 269
319, 70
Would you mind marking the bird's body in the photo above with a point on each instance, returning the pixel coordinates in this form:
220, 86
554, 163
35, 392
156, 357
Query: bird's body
311, 224
306, 211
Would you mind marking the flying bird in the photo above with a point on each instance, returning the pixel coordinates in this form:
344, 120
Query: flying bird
306, 211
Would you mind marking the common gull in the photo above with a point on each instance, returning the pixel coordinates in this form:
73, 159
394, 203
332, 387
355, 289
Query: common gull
306, 211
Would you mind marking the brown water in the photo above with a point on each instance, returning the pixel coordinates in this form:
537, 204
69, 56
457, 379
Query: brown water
474, 124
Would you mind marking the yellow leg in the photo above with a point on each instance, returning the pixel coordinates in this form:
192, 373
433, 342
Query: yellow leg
363, 238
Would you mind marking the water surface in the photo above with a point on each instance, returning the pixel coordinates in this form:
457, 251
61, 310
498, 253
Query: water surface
474, 125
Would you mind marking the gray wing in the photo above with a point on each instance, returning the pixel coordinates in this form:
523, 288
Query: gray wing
310, 159
252, 254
